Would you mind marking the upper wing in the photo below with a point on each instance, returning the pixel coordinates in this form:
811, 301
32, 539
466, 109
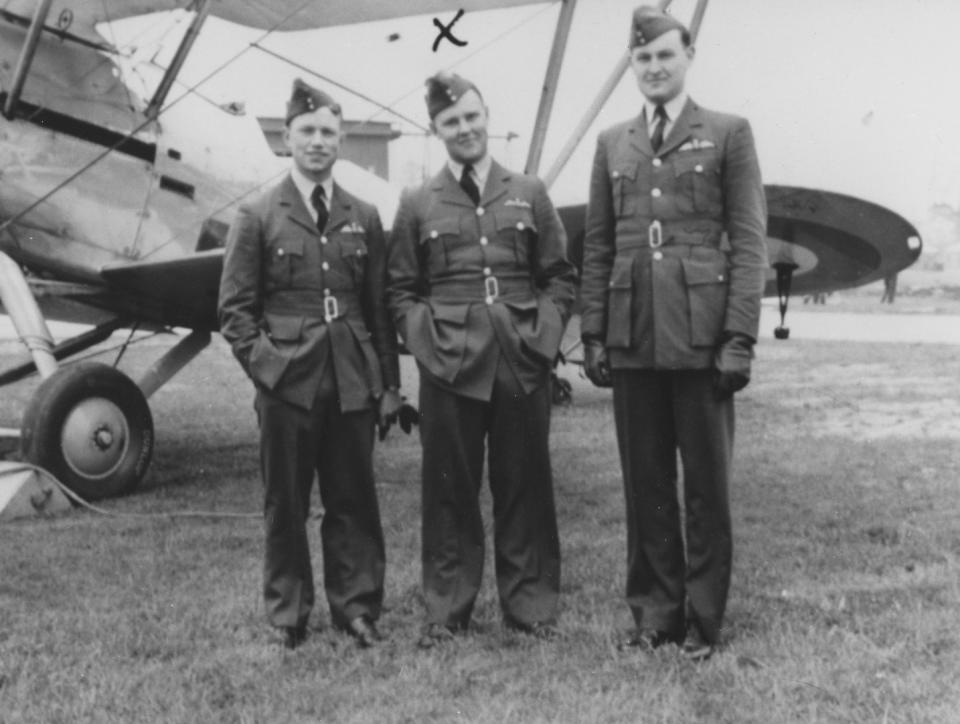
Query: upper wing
79, 17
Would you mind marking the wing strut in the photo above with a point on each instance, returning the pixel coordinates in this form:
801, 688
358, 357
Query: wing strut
26, 56
606, 90
551, 78
166, 83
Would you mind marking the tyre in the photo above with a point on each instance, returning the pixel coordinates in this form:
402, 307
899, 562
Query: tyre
89, 425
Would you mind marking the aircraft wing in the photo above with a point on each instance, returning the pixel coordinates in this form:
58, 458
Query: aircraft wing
79, 17
835, 241
178, 292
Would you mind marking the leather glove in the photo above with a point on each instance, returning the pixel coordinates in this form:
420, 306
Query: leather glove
390, 404
595, 363
732, 364
408, 417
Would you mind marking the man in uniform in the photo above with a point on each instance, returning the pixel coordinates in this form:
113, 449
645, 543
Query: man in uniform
302, 305
480, 288
673, 273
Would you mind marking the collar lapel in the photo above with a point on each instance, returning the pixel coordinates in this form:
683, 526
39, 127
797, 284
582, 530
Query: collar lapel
297, 210
496, 185
682, 128
339, 210
639, 136
449, 189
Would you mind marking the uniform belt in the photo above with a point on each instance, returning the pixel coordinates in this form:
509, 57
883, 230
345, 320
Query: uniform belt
487, 289
327, 306
666, 234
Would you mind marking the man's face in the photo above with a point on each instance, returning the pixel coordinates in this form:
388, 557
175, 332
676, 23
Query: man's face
314, 142
661, 66
463, 128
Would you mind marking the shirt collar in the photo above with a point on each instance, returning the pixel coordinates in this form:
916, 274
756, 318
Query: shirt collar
673, 107
481, 170
306, 185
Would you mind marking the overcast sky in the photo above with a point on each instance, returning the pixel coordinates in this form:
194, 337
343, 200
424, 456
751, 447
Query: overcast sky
846, 95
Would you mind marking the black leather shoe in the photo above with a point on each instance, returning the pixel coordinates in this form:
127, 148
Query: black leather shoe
364, 630
433, 635
293, 636
695, 647
543, 630
646, 639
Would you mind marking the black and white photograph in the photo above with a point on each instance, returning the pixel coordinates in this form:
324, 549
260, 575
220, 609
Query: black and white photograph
481, 361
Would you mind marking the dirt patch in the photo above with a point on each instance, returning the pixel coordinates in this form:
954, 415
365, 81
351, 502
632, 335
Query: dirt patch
873, 420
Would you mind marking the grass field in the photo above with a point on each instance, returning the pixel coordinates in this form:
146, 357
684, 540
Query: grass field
844, 605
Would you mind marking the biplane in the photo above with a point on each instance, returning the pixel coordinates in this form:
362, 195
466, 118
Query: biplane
114, 210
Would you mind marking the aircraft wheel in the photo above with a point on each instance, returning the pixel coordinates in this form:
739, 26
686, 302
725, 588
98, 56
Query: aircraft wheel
89, 425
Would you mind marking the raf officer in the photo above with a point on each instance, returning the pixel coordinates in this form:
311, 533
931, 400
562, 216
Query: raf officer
480, 289
673, 272
302, 305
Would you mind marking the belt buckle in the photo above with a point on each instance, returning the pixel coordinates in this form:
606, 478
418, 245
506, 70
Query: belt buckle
655, 235
492, 288
331, 309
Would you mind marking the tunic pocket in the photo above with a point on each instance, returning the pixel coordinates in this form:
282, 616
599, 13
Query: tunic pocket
698, 183
285, 255
517, 227
707, 284
353, 252
436, 238
620, 302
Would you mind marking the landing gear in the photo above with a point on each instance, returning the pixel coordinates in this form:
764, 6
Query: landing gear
90, 426
784, 271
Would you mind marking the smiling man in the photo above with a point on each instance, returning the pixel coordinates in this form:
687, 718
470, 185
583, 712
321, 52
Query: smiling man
302, 305
480, 288
673, 272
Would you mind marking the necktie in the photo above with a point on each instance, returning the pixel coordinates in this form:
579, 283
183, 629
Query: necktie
656, 140
469, 185
319, 201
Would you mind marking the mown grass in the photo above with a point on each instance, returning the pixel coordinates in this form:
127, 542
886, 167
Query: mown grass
843, 608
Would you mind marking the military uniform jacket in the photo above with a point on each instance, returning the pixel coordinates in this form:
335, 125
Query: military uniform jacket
675, 245
294, 301
468, 283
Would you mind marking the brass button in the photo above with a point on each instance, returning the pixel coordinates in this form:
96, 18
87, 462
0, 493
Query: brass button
657, 162
658, 255
698, 168
479, 211
484, 241
486, 271
325, 266
323, 240
489, 300
434, 234
279, 252
520, 226
656, 193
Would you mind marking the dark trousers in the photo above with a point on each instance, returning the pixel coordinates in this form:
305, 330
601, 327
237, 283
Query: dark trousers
339, 447
656, 413
526, 545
